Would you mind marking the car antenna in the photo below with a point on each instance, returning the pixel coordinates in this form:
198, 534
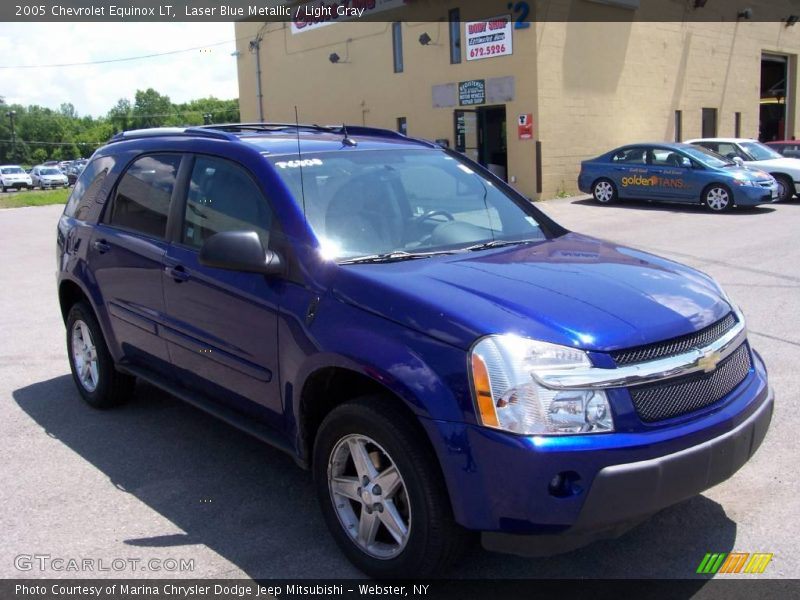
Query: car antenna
348, 141
300, 162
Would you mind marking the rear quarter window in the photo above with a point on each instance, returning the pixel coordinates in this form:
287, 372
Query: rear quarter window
86, 193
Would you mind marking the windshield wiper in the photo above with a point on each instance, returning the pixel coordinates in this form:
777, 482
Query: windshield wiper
389, 257
496, 244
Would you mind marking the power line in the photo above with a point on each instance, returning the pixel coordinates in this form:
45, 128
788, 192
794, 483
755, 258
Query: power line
130, 115
115, 60
56, 143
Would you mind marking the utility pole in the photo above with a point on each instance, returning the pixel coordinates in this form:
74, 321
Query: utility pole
11, 114
255, 48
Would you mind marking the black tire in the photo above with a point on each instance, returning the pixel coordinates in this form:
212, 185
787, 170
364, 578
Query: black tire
604, 191
785, 187
434, 539
112, 388
718, 197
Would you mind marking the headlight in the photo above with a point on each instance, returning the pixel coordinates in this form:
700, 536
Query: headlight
508, 396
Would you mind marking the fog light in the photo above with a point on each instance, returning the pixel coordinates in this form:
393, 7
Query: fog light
565, 484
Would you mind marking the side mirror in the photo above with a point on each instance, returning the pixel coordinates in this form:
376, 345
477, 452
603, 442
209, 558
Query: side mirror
239, 251
738, 160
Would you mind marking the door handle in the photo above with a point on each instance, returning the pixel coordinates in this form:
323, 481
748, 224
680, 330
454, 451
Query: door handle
178, 273
101, 246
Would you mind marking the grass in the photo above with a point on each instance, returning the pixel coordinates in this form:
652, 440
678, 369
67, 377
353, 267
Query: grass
34, 198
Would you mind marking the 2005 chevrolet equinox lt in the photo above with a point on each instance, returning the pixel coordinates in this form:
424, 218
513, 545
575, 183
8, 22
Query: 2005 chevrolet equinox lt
444, 358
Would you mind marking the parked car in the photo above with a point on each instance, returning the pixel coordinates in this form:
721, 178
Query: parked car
786, 171
444, 357
671, 172
73, 172
787, 148
48, 177
14, 176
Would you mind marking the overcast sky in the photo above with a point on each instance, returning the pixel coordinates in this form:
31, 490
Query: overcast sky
94, 89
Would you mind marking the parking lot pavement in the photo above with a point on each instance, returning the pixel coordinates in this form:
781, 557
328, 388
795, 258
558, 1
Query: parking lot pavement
159, 479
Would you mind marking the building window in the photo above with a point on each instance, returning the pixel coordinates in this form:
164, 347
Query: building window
455, 36
709, 125
397, 46
402, 125
737, 124
678, 125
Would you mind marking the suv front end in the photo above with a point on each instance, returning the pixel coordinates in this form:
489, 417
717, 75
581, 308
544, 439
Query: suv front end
598, 450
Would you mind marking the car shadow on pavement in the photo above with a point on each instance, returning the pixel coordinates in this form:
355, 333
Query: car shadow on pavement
253, 506
675, 207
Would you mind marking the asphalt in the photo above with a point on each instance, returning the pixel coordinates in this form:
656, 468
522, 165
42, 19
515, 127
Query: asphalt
157, 479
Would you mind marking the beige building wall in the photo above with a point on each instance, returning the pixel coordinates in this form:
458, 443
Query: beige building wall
602, 85
591, 86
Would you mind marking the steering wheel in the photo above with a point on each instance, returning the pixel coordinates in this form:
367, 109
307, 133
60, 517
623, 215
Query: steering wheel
433, 213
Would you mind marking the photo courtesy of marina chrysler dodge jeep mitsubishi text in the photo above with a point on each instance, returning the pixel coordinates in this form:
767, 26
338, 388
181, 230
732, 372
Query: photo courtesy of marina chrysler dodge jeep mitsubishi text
444, 358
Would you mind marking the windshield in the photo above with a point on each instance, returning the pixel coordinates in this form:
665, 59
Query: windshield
707, 157
402, 202
51, 171
759, 151
12, 171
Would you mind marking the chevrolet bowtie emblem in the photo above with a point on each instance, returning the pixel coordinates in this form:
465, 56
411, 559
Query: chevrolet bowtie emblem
709, 362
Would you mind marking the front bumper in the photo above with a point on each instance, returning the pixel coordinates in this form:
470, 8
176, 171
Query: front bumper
17, 184
502, 484
747, 195
622, 496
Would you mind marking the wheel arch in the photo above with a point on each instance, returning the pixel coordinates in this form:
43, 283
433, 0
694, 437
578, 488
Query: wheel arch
69, 292
331, 385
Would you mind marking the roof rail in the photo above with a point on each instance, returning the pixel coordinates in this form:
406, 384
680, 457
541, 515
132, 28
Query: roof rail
339, 129
265, 127
134, 134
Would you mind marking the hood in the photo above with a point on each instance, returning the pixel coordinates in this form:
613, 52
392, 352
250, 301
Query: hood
573, 290
750, 170
786, 165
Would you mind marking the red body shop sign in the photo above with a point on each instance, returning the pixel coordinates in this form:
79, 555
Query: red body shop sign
489, 38
525, 126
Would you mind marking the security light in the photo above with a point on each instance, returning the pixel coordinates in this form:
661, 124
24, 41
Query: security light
334, 58
425, 39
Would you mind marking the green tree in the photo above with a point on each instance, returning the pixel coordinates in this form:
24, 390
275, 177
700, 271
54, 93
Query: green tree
39, 155
120, 115
151, 109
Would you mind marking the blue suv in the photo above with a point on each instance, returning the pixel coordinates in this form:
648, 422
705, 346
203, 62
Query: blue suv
443, 357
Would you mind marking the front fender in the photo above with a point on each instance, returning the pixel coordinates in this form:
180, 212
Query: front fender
429, 376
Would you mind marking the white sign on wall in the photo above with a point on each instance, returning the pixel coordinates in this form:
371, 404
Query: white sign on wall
319, 13
489, 38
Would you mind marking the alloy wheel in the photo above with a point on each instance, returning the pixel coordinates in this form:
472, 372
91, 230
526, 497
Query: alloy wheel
369, 496
84, 356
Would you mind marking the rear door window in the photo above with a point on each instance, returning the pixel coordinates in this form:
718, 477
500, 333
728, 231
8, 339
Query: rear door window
141, 202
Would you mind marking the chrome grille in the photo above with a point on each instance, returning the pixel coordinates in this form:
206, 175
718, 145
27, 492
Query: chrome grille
675, 346
683, 395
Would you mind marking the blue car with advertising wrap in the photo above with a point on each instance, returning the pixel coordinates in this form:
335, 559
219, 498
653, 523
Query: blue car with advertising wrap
445, 359
675, 173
